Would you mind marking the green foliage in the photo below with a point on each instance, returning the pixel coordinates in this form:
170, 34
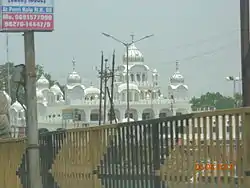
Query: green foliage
216, 100
4, 80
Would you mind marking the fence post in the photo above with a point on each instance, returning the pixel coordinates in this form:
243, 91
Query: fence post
246, 143
156, 154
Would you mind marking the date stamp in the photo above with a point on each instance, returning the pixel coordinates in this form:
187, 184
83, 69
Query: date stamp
211, 166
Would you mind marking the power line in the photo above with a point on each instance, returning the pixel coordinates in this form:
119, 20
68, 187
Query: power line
207, 53
202, 41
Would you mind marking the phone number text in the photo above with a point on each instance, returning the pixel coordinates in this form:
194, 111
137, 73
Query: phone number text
27, 17
43, 25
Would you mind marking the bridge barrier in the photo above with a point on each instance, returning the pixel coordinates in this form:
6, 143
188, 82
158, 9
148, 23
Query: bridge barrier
157, 153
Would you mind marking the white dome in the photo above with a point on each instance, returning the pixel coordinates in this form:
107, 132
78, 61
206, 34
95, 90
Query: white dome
126, 120
74, 78
155, 71
17, 106
123, 87
134, 55
177, 78
56, 89
42, 82
92, 90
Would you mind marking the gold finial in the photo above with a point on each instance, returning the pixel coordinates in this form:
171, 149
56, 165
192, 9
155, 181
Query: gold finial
132, 37
74, 63
177, 66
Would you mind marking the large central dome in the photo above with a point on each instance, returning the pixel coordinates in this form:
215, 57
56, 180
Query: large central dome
134, 55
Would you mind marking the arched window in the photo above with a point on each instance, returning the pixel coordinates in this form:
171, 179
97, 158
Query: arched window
121, 78
136, 96
142, 95
138, 77
132, 77
123, 96
130, 96
143, 77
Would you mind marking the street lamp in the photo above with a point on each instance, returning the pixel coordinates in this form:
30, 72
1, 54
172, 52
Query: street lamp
234, 80
127, 44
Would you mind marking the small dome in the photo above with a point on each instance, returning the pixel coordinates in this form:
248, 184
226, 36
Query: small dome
134, 55
42, 82
74, 78
155, 71
177, 78
123, 87
56, 89
17, 106
126, 120
92, 90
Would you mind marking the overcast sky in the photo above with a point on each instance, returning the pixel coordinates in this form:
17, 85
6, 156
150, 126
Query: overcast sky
204, 35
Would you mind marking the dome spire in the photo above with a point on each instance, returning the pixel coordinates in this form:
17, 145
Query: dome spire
177, 78
132, 37
177, 66
74, 63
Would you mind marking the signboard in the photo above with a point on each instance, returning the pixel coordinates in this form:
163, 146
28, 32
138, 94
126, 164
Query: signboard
67, 114
26, 15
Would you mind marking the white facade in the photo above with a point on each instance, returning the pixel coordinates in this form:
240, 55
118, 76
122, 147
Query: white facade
146, 98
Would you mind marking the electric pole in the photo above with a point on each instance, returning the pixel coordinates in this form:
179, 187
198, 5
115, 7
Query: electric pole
105, 90
100, 97
34, 178
8, 63
245, 53
111, 97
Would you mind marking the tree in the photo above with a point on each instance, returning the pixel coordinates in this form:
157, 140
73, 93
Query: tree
13, 93
40, 71
215, 100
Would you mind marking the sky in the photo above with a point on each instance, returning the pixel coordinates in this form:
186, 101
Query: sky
203, 35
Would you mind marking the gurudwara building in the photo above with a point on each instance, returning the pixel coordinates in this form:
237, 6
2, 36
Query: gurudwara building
147, 100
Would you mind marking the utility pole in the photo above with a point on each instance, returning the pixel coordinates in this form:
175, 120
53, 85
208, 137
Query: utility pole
105, 90
112, 111
100, 97
245, 53
8, 63
34, 178
245, 72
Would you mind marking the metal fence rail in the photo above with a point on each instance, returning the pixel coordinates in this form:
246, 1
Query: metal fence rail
158, 153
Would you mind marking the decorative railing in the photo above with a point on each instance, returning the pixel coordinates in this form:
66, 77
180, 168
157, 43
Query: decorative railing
192, 150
